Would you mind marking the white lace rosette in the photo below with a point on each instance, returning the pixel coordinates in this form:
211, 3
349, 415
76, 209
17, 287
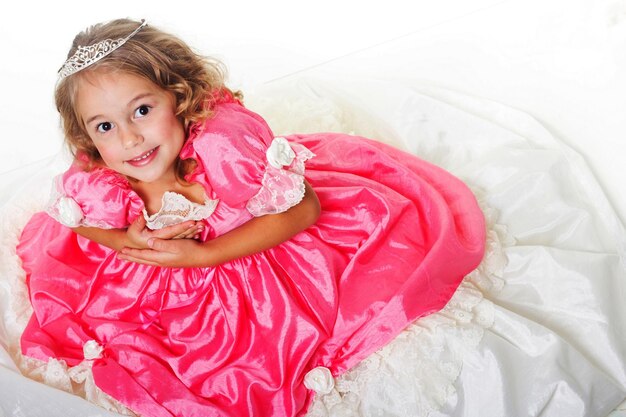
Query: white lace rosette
63, 208
280, 154
282, 186
319, 380
68, 211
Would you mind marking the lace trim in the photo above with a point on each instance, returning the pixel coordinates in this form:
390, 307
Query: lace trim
414, 374
281, 188
63, 208
175, 208
66, 210
76, 380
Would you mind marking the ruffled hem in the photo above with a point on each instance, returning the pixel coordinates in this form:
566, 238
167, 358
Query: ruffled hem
76, 380
415, 373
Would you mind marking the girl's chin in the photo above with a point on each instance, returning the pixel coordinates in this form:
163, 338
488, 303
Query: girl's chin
149, 176
150, 173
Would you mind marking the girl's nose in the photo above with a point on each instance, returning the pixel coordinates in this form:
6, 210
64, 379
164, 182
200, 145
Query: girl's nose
131, 138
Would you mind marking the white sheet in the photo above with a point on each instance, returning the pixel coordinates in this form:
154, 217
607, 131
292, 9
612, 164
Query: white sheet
556, 346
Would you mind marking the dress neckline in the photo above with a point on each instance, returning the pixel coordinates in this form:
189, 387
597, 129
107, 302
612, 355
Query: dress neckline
176, 208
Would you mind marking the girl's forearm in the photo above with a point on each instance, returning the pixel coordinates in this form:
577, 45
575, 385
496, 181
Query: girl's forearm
115, 239
261, 233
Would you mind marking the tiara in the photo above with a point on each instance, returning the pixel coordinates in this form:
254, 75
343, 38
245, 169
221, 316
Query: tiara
88, 55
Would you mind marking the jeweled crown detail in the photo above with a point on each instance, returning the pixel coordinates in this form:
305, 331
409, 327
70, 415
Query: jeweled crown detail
88, 55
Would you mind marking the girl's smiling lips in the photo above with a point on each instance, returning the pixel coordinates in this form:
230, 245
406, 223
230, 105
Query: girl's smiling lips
143, 159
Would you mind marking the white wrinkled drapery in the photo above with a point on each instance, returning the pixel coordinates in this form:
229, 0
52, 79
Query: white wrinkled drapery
537, 330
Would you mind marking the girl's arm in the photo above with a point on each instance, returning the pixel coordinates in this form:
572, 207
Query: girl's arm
256, 235
137, 234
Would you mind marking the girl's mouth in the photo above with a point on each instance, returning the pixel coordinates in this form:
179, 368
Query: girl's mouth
144, 159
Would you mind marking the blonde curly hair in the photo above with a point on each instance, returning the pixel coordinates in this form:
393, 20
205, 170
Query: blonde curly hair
196, 81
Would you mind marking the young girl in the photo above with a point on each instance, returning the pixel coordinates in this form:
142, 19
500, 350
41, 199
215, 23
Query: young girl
190, 258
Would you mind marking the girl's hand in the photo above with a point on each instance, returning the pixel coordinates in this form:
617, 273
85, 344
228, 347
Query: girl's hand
169, 253
138, 234
254, 236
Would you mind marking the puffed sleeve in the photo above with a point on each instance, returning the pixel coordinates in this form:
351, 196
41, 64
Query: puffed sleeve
246, 165
96, 198
282, 184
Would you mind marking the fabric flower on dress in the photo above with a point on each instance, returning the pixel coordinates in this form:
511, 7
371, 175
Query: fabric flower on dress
319, 380
70, 213
280, 154
92, 350
63, 208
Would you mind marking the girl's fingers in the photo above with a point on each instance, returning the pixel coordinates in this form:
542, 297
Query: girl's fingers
139, 223
136, 260
190, 233
141, 256
172, 232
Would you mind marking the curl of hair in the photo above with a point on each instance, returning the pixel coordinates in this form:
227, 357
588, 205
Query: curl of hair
196, 81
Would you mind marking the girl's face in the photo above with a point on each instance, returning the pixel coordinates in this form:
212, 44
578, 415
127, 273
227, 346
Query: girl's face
132, 123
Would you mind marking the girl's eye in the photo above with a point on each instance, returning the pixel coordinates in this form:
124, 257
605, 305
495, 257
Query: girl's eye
142, 111
104, 127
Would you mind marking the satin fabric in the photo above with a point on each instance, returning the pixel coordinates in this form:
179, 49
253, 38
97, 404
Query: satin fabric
394, 240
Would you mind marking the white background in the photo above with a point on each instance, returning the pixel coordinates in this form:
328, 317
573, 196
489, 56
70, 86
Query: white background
564, 62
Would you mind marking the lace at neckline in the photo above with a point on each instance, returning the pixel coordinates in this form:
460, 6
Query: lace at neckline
176, 208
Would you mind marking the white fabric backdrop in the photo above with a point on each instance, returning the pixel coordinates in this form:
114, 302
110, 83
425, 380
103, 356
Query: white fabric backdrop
561, 62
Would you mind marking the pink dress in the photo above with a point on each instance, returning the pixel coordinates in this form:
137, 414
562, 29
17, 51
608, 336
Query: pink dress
395, 238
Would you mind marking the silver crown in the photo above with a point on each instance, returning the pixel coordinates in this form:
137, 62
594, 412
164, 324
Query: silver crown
88, 55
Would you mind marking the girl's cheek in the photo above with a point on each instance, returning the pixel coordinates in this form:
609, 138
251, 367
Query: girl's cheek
107, 155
